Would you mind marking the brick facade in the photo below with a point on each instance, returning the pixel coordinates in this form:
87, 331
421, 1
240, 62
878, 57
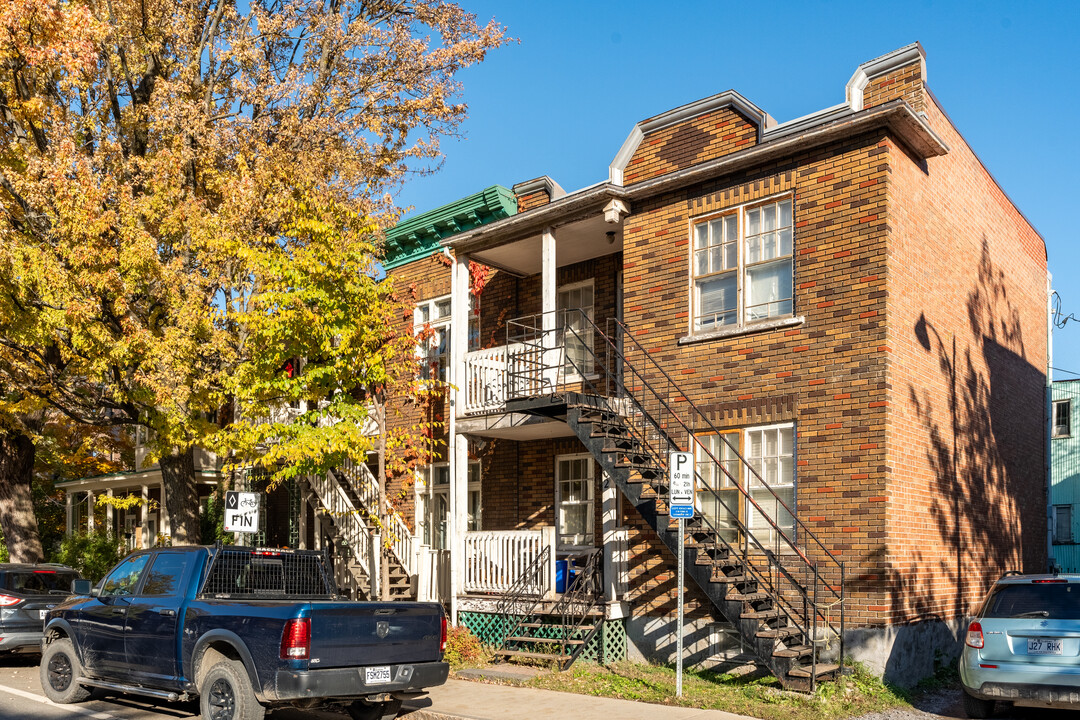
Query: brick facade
912, 368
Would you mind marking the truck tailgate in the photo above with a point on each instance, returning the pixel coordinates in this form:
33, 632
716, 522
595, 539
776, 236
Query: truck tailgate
346, 634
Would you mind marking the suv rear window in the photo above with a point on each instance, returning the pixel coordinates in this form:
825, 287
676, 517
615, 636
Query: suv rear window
37, 581
1057, 601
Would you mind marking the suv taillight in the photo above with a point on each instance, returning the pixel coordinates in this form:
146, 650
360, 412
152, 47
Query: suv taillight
6, 600
296, 640
442, 639
974, 636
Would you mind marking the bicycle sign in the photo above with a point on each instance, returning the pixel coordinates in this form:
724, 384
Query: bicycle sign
241, 512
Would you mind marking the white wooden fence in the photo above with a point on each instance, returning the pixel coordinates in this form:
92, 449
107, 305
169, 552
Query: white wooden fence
494, 560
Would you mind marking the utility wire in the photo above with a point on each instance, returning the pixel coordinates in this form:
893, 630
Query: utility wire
1058, 319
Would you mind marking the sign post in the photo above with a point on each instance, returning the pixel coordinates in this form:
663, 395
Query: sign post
681, 506
241, 512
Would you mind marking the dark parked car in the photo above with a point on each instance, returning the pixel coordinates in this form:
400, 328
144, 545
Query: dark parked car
27, 593
243, 630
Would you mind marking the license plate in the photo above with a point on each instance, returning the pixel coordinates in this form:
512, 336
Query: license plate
1043, 646
42, 614
380, 674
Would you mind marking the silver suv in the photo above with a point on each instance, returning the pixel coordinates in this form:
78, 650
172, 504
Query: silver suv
1023, 646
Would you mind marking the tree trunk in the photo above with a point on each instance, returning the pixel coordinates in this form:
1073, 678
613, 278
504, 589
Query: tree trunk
17, 520
384, 516
181, 497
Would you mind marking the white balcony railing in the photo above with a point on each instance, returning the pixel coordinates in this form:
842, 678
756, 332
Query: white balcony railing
494, 560
486, 377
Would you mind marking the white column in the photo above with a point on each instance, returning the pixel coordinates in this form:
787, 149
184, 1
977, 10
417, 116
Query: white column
69, 508
548, 289
610, 506
145, 519
163, 514
89, 511
109, 513
459, 466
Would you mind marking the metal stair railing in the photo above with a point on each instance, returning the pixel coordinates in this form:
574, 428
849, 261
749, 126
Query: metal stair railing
575, 605
652, 420
530, 588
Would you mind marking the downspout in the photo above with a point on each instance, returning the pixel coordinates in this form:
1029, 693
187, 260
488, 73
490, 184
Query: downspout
1048, 405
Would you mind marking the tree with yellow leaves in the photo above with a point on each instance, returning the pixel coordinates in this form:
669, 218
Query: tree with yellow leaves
190, 193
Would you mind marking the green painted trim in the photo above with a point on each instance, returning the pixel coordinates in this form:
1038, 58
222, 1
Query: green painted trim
419, 236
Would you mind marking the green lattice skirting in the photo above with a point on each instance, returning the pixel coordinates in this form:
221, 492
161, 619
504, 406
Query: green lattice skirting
606, 646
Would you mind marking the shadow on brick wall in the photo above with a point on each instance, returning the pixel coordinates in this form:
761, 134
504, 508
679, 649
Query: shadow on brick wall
985, 450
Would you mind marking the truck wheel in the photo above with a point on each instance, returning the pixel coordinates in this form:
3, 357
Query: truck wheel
363, 710
225, 694
977, 707
60, 672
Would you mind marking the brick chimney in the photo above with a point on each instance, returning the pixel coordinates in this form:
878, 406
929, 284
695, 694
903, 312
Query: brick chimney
534, 193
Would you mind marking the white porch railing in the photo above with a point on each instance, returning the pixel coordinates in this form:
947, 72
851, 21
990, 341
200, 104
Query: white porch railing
346, 518
494, 560
401, 539
486, 377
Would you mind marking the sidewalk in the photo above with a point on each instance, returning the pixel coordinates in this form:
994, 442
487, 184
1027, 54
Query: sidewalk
466, 700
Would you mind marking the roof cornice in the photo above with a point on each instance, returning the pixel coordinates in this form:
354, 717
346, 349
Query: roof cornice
879, 66
730, 98
895, 116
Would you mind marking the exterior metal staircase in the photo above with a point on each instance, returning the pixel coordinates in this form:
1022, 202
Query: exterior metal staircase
349, 494
554, 631
785, 599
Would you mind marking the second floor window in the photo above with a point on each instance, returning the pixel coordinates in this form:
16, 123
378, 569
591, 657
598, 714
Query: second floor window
434, 350
741, 266
1062, 418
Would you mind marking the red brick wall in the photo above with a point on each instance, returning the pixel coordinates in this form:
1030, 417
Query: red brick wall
693, 141
906, 83
827, 375
967, 357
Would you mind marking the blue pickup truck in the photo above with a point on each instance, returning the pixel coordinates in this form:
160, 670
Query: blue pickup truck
242, 629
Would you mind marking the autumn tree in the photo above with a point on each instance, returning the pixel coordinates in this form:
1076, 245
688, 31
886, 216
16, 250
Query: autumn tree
171, 172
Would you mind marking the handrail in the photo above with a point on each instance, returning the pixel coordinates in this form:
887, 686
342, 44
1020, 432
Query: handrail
614, 351
531, 577
351, 525
581, 594
400, 537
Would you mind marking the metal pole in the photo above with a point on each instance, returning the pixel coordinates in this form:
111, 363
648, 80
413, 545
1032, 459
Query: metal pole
679, 626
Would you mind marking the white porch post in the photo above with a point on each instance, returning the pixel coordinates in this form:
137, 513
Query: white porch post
145, 516
457, 446
109, 513
69, 508
163, 515
89, 511
548, 289
610, 506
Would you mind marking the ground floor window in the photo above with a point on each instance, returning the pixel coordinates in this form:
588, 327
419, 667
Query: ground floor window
575, 504
433, 503
1063, 523
769, 454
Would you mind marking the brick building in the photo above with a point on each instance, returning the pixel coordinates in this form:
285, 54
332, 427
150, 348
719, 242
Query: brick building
841, 316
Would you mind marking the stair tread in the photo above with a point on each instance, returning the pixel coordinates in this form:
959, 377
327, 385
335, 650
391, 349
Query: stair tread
525, 638
585, 628
782, 632
761, 614
524, 653
793, 652
805, 671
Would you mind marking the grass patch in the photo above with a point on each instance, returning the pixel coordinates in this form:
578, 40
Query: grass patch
757, 695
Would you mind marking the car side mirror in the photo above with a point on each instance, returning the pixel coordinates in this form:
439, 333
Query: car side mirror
80, 587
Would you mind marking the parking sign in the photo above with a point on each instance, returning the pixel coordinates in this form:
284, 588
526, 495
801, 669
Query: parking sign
681, 478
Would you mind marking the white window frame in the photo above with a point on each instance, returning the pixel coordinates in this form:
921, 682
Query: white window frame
442, 323
742, 266
1063, 533
590, 313
426, 490
589, 502
1061, 431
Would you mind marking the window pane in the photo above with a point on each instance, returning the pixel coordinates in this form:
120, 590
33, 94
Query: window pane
442, 309
768, 243
769, 213
731, 228
785, 242
718, 300
730, 255
716, 256
164, 575
753, 222
716, 232
753, 250
769, 290
785, 213
701, 235
701, 262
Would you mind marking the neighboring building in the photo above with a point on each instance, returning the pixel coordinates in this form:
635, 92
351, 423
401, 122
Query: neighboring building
1065, 475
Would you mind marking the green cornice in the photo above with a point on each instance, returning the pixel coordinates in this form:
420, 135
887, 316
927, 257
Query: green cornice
419, 236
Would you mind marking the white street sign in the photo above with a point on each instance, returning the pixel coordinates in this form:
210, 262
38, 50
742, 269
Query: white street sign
241, 512
681, 478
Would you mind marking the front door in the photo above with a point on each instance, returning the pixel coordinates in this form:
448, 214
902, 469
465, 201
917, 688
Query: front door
152, 617
103, 618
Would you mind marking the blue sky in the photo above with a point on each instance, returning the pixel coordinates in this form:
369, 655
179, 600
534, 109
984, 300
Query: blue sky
561, 100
